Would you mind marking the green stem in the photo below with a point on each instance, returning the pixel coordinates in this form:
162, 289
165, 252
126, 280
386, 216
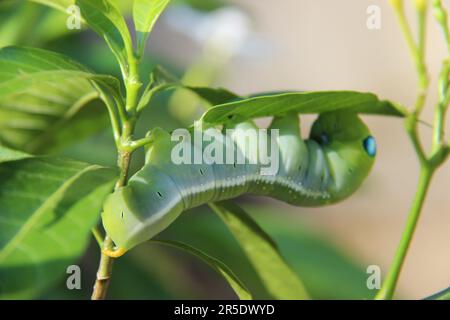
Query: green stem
133, 84
441, 107
133, 145
106, 263
419, 57
98, 236
417, 52
111, 105
441, 17
128, 120
412, 130
388, 288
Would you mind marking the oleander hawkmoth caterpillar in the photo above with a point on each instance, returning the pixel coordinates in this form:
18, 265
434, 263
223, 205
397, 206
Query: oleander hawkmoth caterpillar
323, 169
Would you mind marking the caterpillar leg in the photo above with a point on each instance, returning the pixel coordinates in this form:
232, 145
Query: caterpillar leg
114, 253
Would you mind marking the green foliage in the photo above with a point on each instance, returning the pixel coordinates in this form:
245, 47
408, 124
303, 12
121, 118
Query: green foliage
278, 278
11, 155
12, 29
429, 161
145, 14
237, 285
326, 270
24, 67
107, 20
43, 26
56, 4
49, 206
202, 5
161, 80
42, 93
442, 295
302, 103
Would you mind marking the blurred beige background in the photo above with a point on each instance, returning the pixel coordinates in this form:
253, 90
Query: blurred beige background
324, 45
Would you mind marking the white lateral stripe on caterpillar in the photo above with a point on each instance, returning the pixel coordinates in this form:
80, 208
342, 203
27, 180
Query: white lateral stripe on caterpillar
318, 171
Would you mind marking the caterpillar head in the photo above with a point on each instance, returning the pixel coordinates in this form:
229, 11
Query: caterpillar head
349, 147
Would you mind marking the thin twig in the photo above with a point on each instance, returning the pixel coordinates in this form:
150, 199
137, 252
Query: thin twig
418, 54
128, 120
98, 236
439, 152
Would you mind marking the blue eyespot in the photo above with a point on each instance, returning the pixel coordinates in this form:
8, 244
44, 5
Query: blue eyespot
370, 146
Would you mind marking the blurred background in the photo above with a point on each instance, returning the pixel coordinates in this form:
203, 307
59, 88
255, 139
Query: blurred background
252, 46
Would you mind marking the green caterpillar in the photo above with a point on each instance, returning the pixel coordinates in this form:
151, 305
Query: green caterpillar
324, 169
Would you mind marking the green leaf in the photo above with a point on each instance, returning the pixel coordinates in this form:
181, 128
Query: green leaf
61, 5
38, 124
21, 68
203, 5
12, 28
161, 80
48, 207
106, 19
7, 154
45, 94
278, 278
234, 282
300, 102
214, 96
145, 14
43, 24
327, 271
441, 295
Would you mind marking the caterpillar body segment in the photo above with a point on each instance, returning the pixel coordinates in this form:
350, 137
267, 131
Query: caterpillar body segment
323, 169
